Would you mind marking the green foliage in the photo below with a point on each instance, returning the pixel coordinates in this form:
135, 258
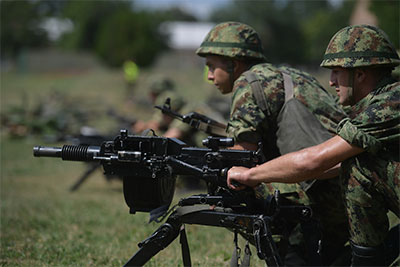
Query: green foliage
294, 32
88, 18
387, 12
319, 29
19, 27
126, 35
114, 32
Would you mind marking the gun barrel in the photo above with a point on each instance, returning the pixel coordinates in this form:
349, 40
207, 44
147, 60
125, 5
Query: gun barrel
45, 151
68, 152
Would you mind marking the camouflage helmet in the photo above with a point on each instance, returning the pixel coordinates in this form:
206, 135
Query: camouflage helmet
360, 46
232, 39
161, 84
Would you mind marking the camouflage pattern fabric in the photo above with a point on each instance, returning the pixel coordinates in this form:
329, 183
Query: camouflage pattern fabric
177, 103
248, 123
371, 180
232, 39
360, 46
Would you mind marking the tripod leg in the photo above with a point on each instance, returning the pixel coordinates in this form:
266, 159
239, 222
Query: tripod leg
265, 245
159, 240
85, 175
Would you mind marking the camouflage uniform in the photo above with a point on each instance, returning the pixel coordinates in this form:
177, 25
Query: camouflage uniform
163, 88
371, 179
248, 123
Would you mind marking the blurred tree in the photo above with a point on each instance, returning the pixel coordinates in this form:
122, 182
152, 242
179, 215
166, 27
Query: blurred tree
20, 27
127, 35
175, 14
114, 31
88, 17
319, 29
388, 13
276, 23
293, 32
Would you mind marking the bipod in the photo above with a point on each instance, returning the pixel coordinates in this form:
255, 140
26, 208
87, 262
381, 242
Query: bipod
91, 169
257, 225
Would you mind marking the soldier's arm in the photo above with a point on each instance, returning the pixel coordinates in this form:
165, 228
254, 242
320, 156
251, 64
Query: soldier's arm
245, 146
308, 163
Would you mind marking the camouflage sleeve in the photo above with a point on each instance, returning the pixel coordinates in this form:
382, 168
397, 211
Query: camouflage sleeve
377, 126
246, 117
157, 116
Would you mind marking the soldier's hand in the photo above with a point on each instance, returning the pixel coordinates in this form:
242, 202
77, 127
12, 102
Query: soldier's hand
238, 178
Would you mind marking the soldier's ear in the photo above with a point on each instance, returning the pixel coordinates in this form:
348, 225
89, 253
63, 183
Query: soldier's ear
360, 75
239, 67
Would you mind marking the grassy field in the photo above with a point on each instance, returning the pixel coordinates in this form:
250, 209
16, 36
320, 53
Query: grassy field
42, 222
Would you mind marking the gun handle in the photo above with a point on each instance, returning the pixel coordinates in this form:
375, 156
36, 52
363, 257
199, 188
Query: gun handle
224, 174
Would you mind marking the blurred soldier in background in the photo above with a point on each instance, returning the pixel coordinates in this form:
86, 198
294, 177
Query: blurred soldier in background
287, 110
160, 90
361, 59
131, 73
216, 109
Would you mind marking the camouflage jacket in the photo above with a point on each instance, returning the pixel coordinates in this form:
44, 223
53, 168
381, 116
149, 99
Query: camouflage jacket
374, 125
177, 103
249, 124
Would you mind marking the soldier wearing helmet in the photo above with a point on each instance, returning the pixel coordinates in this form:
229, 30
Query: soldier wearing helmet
160, 89
361, 59
286, 109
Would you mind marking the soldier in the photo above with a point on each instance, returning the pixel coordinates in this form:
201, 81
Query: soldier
361, 59
160, 90
260, 113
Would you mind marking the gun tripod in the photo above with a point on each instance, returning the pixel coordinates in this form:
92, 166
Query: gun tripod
256, 225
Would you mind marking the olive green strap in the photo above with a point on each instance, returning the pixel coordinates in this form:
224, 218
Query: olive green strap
258, 91
288, 85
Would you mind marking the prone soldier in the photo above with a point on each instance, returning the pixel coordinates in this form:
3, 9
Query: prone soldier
160, 90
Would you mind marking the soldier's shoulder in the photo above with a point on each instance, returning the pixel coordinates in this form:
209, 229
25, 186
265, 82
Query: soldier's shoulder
264, 73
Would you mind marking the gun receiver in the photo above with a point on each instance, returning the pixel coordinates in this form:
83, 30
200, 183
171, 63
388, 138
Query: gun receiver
195, 120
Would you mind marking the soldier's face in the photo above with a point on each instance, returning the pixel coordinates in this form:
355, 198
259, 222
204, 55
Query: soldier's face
340, 79
218, 74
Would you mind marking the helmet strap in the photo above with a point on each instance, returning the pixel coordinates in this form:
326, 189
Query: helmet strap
230, 69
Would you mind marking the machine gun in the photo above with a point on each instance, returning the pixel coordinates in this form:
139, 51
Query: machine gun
149, 164
195, 120
90, 137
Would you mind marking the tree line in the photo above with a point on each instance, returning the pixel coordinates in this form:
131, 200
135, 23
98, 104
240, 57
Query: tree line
292, 31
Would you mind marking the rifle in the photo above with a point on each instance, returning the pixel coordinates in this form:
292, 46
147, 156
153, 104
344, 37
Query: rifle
149, 165
196, 120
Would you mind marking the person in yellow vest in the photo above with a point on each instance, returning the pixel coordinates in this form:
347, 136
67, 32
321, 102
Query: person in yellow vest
131, 73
